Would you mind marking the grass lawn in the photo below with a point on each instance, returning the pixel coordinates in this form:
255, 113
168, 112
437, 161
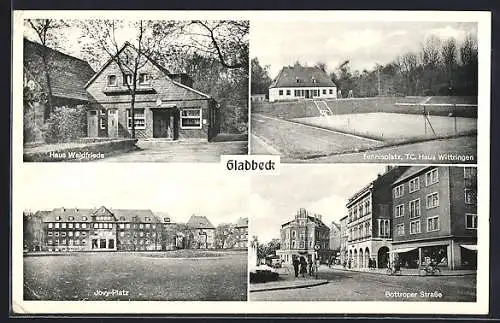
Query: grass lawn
179, 275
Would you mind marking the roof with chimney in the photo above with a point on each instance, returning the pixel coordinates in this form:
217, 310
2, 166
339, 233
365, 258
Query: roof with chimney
199, 222
68, 74
301, 76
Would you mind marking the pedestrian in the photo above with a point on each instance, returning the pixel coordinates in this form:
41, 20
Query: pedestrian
295, 263
310, 263
303, 267
349, 263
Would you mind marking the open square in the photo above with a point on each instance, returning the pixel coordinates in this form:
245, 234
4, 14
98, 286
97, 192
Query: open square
181, 275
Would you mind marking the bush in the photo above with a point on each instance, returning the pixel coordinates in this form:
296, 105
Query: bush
65, 124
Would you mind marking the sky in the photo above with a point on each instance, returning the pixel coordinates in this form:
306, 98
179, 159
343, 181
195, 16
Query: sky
177, 189
282, 43
322, 189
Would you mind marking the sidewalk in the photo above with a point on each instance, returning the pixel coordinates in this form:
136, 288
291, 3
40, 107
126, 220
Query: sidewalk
406, 271
287, 281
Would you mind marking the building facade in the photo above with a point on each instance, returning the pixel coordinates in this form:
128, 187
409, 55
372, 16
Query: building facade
103, 229
343, 240
201, 233
435, 216
335, 237
300, 82
166, 105
369, 221
241, 233
306, 235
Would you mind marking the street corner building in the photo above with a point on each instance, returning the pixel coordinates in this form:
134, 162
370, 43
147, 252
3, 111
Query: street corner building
435, 217
304, 236
301, 82
166, 105
201, 233
416, 214
101, 229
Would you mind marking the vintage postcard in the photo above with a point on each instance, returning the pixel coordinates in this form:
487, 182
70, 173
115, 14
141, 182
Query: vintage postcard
250, 162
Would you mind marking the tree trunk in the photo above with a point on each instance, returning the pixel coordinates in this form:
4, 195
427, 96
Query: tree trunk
132, 112
48, 110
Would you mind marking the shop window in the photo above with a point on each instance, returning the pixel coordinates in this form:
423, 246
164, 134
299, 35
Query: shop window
139, 119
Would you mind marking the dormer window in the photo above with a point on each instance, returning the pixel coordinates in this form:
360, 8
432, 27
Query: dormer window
144, 79
313, 80
127, 79
71, 218
112, 80
166, 219
58, 218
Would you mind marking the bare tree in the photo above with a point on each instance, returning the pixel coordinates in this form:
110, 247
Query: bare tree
130, 56
44, 30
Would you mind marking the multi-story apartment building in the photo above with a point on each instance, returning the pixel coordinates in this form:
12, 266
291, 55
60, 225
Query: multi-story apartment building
435, 216
102, 229
343, 239
306, 235
369, 221
241, 233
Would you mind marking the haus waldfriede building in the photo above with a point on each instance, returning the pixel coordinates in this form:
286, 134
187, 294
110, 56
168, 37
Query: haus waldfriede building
301, 82
166, 105
435, 216
201, 233
305, 235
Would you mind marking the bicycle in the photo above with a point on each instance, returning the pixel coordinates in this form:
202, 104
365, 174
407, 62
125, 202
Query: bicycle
429, 270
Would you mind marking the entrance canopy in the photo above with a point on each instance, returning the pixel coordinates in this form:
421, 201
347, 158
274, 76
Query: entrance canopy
401, 250
469, 246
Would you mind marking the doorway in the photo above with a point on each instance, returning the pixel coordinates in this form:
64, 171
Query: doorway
307, 94
112, 123
166, 123
383, 257
92, 118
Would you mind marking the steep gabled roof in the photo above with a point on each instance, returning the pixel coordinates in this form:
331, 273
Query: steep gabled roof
121, 215
199, 222
154, 62
242, 222
301, 76
79, 215
68, 74
135, 215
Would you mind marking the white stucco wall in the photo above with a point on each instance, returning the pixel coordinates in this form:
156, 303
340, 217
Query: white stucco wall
274, 93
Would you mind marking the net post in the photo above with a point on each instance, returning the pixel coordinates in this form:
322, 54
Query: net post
455, 117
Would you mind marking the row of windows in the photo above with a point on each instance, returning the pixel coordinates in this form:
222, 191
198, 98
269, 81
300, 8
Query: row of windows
433, 224
140, 233
70, 242
431, 177
360, 231
360, 209
64, 225
100, 225
302, 93
69, 234
144, 79
191, 118
302, 244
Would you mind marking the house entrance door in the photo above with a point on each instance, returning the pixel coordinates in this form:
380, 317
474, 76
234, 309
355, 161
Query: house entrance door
307, 94
164, 123
112, 123
92, 123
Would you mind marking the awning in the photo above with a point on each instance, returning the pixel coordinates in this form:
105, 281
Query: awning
402, 250
469, 246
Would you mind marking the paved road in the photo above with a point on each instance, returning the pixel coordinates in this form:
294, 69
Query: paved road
356, 286
299, 143
167, 151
